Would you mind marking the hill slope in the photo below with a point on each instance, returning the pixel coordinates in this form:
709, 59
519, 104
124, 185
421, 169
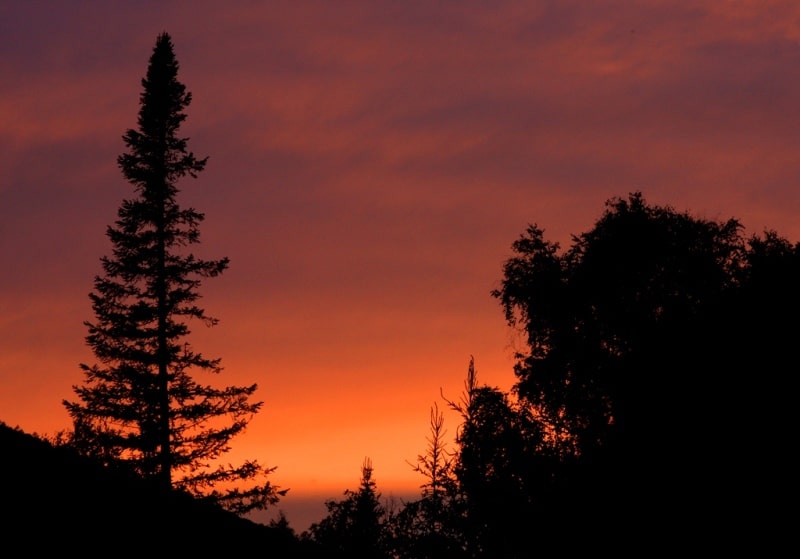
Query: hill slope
55, 500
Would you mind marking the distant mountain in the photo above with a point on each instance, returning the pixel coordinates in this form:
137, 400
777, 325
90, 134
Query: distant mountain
54, 500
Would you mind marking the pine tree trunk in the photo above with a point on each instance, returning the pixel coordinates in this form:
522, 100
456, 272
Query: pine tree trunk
165, 453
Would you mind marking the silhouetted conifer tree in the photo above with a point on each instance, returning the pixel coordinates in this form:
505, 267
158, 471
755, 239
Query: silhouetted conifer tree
354, 526
430, 527
141, 404
436, 465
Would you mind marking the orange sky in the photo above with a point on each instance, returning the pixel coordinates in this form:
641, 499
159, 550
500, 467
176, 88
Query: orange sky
370, 165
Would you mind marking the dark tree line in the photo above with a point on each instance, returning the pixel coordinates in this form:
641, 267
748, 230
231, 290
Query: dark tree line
653, 394
651, 410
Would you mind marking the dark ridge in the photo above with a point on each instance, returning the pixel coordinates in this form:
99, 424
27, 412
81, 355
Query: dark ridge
54, 500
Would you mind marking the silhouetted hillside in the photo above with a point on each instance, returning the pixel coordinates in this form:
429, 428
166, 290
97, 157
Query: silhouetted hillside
56, 500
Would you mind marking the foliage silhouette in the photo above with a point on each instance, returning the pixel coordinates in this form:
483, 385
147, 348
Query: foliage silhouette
431, 525
504, 471
653, 342
142, 404
354, 526
643, 272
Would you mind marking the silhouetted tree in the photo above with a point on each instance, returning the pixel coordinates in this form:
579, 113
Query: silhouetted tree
748, 411
354, 526
429, 527
591, 312
436, 465
652, 342
141, 404
501, 458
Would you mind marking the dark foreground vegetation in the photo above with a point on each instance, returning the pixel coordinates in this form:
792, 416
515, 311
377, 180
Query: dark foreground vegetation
58, 503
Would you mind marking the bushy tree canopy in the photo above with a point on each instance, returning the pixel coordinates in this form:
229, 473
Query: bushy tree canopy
658, 347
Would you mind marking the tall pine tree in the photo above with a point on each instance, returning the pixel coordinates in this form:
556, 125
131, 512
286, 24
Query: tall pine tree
141, 403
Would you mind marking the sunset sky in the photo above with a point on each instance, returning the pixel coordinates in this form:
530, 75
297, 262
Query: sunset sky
370, 164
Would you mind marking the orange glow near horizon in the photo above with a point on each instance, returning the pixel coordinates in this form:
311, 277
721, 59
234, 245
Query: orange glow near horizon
370, 165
